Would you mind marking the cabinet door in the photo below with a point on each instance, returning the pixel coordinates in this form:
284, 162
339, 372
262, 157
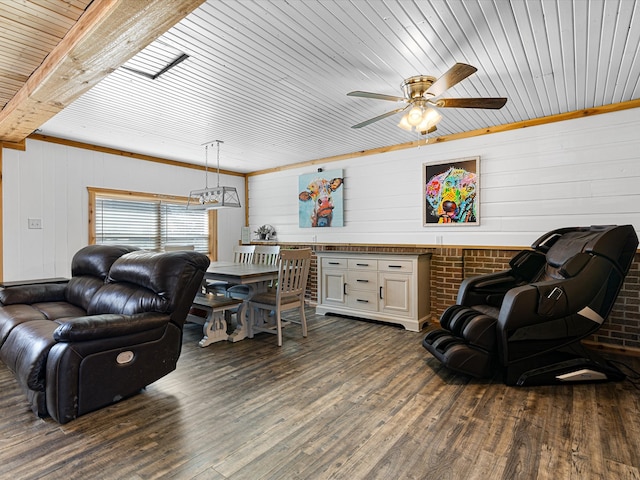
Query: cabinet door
394, 293
333, 285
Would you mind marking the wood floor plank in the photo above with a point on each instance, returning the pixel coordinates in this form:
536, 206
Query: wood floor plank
354, 400
612, 420
555, 447
585, 432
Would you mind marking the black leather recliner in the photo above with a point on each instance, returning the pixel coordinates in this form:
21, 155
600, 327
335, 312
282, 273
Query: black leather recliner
527, 322
113, 329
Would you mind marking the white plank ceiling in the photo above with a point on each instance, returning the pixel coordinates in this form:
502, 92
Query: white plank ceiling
270, 77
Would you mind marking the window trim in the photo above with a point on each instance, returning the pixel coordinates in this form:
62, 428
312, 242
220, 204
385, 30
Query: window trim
143, 196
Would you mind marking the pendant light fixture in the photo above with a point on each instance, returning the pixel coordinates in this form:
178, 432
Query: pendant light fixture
214, 197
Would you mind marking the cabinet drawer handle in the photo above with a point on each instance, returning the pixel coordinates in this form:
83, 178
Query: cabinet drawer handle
395, 266
362, 264
362, 281
333, 263
362, 301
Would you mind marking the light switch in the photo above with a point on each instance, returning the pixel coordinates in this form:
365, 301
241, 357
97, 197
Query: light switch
35, 223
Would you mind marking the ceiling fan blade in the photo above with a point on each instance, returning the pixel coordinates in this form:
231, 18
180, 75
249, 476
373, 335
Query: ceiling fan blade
486, 102
379, 117
455, 74
377, 96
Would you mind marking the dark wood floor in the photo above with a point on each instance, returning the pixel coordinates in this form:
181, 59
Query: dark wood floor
354, 400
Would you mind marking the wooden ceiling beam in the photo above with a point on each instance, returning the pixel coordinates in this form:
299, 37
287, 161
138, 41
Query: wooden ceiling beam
108, 34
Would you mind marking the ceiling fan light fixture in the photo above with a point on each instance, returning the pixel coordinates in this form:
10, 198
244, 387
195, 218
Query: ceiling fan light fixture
415, 115
430, 118
404, 124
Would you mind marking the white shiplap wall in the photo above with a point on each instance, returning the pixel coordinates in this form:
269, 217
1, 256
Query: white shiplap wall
576, 172
49, 182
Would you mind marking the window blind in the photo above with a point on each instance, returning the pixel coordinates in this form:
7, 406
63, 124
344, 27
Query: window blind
150, 224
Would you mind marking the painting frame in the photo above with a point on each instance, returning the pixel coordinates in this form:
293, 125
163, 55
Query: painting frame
321, 199
451, 192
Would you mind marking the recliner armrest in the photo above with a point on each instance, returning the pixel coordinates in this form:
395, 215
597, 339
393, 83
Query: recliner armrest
33, 293
107, 325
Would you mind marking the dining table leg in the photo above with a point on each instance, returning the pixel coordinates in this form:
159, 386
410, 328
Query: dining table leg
243, 316
214, 329
240, 332
215, 324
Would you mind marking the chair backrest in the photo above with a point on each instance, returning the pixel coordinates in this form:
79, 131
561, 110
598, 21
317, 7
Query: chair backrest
90, 269
243, 253
293, 272
266, 254
145, 281
615, 243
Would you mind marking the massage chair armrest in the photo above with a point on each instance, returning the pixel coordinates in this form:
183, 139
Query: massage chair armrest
486, 289
547, 300
108, 325
519, 308
490, 289
33, 293
552, 299
542, 316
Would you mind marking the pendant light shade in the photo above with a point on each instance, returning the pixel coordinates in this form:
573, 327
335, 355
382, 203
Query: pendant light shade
214, 197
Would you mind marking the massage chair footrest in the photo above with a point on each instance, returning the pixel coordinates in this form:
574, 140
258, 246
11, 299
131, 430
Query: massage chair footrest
459, 356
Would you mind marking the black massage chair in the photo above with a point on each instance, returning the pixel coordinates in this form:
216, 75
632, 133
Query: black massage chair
527, 322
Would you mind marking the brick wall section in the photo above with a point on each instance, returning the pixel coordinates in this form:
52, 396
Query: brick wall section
622, 328
447, 269
481, 262
450, 265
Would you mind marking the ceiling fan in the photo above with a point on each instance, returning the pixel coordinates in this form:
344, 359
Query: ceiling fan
423, 91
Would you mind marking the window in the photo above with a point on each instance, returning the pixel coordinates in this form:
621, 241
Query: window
150, 222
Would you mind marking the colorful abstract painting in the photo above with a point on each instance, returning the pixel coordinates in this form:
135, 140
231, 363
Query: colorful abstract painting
451, 192
320, 200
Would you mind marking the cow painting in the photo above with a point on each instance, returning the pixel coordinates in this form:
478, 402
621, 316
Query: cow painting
451, 195
320, 200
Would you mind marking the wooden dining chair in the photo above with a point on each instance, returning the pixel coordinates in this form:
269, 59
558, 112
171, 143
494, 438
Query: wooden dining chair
288, 294
263, 255
266, 254
241, 254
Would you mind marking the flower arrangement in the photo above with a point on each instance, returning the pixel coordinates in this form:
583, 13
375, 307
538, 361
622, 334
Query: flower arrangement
266, 232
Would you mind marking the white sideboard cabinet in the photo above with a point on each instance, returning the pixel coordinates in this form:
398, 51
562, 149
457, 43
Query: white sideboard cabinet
390, 288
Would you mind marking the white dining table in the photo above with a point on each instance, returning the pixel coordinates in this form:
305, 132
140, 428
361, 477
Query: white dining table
256, 276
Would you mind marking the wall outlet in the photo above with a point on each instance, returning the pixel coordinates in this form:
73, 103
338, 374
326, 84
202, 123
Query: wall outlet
35, 223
